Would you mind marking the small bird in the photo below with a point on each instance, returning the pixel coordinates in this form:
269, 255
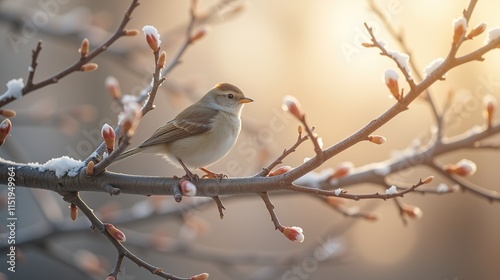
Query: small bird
201, 134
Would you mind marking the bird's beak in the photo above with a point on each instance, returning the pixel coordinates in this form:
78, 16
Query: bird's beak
245, 100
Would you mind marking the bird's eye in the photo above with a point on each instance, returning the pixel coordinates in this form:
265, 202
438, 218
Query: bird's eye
230, 96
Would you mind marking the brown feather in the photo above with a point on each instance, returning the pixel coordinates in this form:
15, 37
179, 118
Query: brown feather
228, 87
185, 124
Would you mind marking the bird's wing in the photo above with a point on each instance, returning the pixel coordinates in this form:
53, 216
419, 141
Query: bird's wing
184, 125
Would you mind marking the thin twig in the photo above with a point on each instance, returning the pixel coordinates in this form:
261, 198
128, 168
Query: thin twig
220, 206
270, 208
466, 185
416, 70
34, 64
356, 197
74, 197
265, 171
76, 67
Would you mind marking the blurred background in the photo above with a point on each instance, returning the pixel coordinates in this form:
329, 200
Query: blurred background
269, 49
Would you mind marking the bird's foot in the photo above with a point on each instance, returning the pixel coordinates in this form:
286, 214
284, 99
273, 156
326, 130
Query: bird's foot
191, 177
211, 175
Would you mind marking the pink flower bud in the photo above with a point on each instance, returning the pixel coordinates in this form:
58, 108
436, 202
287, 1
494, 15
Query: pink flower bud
108, 134
113, 87
292, 105
299, 129
342, 170
459, 26
73, 211
279, 171
131, 32
7, 113
162, 59
89, 67
371, 217
464, 167
152, 37
188, 188
490, 104
89, 170
428, 180
377, 139
130, 117
111, 277
200, 33
293, 233
202, 276
412, 211
477, 30
5, 127
391, 80
84, 47
116, 233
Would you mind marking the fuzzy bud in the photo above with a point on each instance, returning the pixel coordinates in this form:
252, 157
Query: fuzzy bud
7, 113
116, 233
113, 87
202, 276
130, 118
111, 277
459, 28
200, 33
368, 45
73, 211
89, 170
427, 180
292, 105
477, 30
84, 47
371, 217
89, 67
108, 134
279, 171
188, 188
293, 233
5, 127
377, 139
152, 37
464, 167
300, 129
342, 170
489, 105
391, 80
131, 32
162, 59
412, 211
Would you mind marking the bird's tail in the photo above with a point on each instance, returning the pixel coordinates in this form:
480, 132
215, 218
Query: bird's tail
127, 154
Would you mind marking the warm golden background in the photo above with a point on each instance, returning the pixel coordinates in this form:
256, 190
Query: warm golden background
309, 49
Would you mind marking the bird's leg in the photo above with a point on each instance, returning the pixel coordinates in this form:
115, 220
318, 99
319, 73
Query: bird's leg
189, 175
211, 175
